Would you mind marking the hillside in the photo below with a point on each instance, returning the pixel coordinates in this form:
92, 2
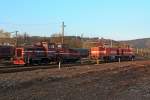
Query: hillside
139, 43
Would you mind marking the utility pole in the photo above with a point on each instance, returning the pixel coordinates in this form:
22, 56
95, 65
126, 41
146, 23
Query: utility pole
25, 38
16, 35
82, 39
111, 43
16, 32
63, 26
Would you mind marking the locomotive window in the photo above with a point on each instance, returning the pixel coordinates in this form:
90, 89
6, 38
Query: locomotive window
59, 46
51, 46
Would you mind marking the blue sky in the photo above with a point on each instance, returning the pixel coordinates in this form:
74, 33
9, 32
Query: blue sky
113, 19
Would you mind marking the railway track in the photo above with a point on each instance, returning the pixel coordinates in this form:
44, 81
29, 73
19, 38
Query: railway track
14, 69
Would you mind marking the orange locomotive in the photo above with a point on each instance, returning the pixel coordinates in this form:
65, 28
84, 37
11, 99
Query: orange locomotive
111, 53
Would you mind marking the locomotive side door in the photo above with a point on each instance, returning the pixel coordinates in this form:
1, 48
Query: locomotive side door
19, 52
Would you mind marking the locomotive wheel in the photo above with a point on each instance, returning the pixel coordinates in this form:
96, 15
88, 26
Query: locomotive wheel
27, 61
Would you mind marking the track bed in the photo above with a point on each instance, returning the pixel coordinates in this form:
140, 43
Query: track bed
113, 81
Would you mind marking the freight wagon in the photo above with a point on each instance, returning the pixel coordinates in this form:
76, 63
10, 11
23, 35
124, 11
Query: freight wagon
6, 53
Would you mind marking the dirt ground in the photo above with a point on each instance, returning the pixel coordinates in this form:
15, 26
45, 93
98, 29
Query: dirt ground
113, 81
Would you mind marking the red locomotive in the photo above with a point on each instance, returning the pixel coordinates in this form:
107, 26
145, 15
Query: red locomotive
44, 53
111, 53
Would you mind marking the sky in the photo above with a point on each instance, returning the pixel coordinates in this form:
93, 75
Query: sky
111, 19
